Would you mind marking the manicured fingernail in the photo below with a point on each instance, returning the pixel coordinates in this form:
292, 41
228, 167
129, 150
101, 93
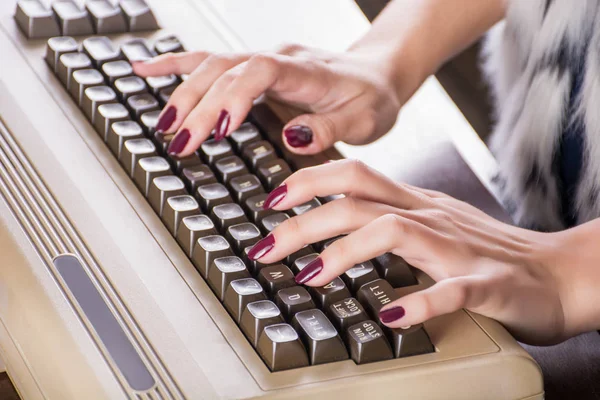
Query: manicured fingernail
166, 120
311, 270
178, 143
275, 197
222, 125
391, 314
298, 135
262, 247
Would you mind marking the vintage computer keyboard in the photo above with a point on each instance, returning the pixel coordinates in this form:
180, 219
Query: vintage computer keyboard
143, 287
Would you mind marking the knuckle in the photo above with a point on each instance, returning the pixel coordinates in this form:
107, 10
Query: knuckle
394, 224
289, 48
327, 129
264, 62
359, 170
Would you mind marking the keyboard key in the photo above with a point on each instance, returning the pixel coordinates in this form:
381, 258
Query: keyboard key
56, 47
71, 19
245, 186
253, 266
94, 97
212, 195
169, 44
83, 79
280, 348
211, 151
395, 270
258, 152
158, 83
161, 189
374, 295
162, 140
360, 274
292, 300
257, 316
100, 50
345, 313
305, 207
254, 208
114, 70
106, 115
106, 18
207, 249
199, 175
69, 63
223, 271
226, 215
367, 343
276, 277
240, 293
193, 228
165, 95
320, 337
326, 295
302, 262
133, 151
136, 50
148, 121
142, 103
138, 15
230, 167
243, 235
35, 20
270, 222
120, 132
247, 133
130, 86
176, 209
304, 251
149, 168
181, 163
273, 173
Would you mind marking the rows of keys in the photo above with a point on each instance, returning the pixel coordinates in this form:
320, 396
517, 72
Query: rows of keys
212, 204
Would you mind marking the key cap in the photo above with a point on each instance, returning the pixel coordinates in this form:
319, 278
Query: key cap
230, 167
162, 140
207, 249
106, 115
212, 195
56, 47
305, 207
345, 313
374, 295
180, 163
71, 19
165, 95
100, 50
177, 208
136, 50
273, 173
211, 151
114, 70
241, 292
223, 271
158, 83
138, 15
245, 186
258, 152
326, 295
148, 122
130, 86
253, 266
257, 316
280, 348
395, 270
320, 337
367, 343
198, 175
247, 133
106, 18
226, 215
360, 274
292, 300
142, 103
35, 20
169, 44
69, 63
161, 189
276, 277
268, 223
243, 235
94, 97
149, 168
305, 251
302, 262
193, 228
408, 342
254, 208
133, 151
83, 79
119, 133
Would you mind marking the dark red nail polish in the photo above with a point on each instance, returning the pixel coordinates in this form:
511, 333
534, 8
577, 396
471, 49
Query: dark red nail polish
298, 135
262, 247
222, 125
311, 270
166, 120
275, 197
391, 314
178, 143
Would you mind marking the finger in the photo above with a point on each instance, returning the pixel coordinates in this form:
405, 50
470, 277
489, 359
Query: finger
170, 63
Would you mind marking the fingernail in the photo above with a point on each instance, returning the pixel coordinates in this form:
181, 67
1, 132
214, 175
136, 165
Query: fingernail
391, 314
262, 247
178, 143
298, 135
166, 120
311, 270
275, 197
222, 125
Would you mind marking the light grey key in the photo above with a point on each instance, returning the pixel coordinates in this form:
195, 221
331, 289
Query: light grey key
106, 115
56, 47
158, 83
136, 50
305, 207
120, 132
281, 348
35, 20
247, 133
142, 103
257, 316
240, 293
72, 20
130, 86
106, 18
302, 262
193, 228
83, 79
100, 49
207, 249
226, 215
360, 274
116, 69
169, 44
270, 222
161, 189
138, 15
320, 337
133, 151
148, 120
69, 63
177, 208
94, 97
149, 168
223, 271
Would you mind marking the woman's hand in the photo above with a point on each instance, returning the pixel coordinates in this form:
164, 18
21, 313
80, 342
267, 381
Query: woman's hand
349, 96
512, 275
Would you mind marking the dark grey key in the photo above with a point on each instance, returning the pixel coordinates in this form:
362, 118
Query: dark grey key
136, 50
245, 186
367, 343
268, 223
240, 293
360, 274
56, 47
83, 79
176, 209
158, 83
280, 348
226, 215
142, 103
149, 168
254, 208
130, 86
69, 63
116, 69
411, 341
374, 295
94, 97
258, 152
230, 167
133, 151
326, 295
162, 140
223, 271
302, 262
120, 132
304, 251
161, 189
395, 270
193, 228
207, 249
35, 20
138, 15
212, 151
276, 277
212, 195
320, 337
198, 175
257, 316
72, 20
165, 95
243, 235
181, 163
148, 121
100, 50
305, 207
106, 115
272, 173
253, 266
345, 313
247, 133
330, 198
169, 44
106, 18
292, 300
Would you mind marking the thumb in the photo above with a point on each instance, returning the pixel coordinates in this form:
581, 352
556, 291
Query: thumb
313, 133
